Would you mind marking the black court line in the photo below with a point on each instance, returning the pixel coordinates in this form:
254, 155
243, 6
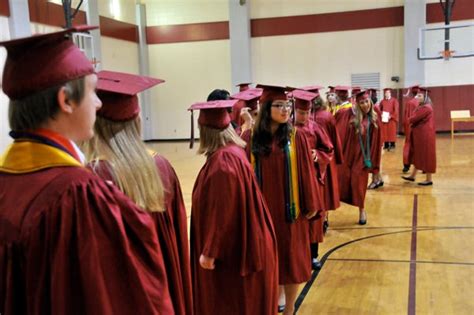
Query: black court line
403, 261
400, 227
308, 285
412, 279
325, 257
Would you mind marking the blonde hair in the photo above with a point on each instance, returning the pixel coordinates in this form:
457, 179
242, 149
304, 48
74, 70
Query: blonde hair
130, 163
359, 116
211, 139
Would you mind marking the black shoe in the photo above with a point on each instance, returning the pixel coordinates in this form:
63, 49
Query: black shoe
281, 308
406, 169
379, 184
372, 185
408, 178
316, 264
325, 226
364, 220
426, 183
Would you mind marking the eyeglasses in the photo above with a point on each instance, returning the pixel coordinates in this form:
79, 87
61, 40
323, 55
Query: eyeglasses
282, 107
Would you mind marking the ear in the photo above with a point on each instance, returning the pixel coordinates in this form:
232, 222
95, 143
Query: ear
65, 105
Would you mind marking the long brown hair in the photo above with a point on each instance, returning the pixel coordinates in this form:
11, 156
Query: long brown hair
262, 135
359, 116
130, 163
211, 139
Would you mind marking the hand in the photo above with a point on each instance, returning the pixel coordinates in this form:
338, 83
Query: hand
245, 115
313, 154
207, 262
311, 214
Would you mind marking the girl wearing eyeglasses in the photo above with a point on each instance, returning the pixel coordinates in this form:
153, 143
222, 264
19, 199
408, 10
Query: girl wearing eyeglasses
361, 146
282, 161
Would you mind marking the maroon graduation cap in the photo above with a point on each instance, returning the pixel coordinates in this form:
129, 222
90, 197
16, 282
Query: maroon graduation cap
303, 99
249, 96
244, 86
39, 62
312, 88
212, 114
272, 93
118, 93
361, 95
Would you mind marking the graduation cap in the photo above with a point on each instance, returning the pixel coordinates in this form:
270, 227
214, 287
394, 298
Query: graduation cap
38, 62
414, 88
244, 86
312, 88
361, 95
355, 90
272, 93
423, 91
118, 93
332, 89
303, 99
249, 96
343, 88
212, 114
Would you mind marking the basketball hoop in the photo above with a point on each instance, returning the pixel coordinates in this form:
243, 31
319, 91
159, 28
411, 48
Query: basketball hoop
447, 54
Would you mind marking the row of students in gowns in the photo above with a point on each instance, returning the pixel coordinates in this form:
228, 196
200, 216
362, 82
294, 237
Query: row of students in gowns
70, 242
131, 260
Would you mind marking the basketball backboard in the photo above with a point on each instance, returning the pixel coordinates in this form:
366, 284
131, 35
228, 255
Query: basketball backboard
86, 45
447, 41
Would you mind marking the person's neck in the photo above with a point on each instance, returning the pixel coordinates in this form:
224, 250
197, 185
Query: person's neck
59, 128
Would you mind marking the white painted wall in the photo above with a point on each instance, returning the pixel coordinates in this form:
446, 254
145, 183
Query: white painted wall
328, 58
276, 8
191, 70
167, 12
119, 55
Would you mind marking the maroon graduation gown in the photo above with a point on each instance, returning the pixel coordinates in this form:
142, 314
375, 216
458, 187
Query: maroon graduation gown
331, 185
293, 238
410, 107
423, 139
72, 244
389, 130
171, 227
320, 142
353, 175
231, 223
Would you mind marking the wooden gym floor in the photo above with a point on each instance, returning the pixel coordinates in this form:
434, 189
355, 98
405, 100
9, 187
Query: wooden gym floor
415, 255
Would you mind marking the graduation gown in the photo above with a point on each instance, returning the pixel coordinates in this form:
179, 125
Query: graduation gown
423, 139
410, 107
230, 222
171, 227
353, 174
72, 244
320, 142
292, 238
389, 129
331, 185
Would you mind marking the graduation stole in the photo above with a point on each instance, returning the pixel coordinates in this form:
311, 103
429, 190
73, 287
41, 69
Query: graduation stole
28, 154
292, 192
365, 150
